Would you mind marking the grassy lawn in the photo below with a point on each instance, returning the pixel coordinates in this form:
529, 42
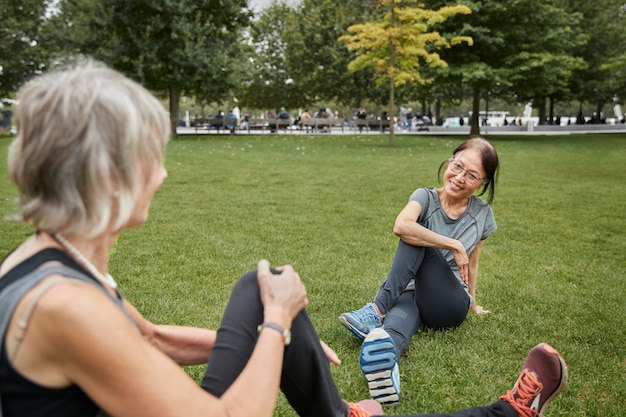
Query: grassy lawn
553, 271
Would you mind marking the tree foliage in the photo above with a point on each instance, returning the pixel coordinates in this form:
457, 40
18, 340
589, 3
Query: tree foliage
403, 42
21, 52
269, 83
318, 62
400, 44
523, 50
170, 46
515, 46
602, 77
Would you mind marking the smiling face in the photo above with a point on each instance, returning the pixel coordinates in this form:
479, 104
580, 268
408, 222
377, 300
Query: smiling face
464, 175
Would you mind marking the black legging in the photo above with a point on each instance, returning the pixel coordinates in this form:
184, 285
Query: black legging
438, 302
306, 380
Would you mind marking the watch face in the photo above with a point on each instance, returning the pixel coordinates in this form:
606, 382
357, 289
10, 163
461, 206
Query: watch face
287, 336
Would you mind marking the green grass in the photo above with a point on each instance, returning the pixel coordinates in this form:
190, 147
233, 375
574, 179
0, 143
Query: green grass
554, 270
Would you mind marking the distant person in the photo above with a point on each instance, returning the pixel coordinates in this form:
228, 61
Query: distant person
284, 117
384, 118
360, 117
246, 121
231, 121
321, 113
283, 114
218, 123
580, 119
236, 110
409, 119
305, 115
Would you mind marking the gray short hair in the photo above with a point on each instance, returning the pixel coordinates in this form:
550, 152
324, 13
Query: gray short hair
87, 138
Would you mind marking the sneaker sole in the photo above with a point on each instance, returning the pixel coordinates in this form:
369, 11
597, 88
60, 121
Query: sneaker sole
378, 359
562, 382
350, 327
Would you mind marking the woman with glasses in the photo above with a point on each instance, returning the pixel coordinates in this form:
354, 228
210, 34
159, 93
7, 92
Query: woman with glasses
432, 281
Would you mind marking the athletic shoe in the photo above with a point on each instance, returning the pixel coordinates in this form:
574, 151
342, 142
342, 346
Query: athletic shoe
543, 377
365, 408
361, 321
379, 364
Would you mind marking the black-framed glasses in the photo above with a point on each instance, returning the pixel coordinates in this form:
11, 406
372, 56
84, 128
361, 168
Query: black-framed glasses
457, 168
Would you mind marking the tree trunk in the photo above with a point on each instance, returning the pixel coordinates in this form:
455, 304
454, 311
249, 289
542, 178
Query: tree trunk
392, 106
551, 110
541, 109
174, 108
392, 81
598, 117
474, 125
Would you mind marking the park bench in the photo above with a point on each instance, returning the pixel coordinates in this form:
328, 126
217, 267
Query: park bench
219, 124
371, 124
322, 124
273, 125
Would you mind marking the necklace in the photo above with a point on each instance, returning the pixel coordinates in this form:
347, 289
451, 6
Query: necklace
105, 279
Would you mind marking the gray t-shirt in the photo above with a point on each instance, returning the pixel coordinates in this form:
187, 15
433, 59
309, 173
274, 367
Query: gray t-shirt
475, 224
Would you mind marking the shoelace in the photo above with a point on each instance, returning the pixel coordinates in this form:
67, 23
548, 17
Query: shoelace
367, 315
523, 394
357, 411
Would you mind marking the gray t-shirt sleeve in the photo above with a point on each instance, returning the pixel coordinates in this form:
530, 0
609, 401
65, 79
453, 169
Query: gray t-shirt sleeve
421, 196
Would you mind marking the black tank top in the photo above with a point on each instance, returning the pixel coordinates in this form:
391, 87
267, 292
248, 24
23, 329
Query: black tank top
20, 397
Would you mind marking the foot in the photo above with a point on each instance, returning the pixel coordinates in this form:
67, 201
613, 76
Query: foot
543, 377
365, 408
361, 321
379, 364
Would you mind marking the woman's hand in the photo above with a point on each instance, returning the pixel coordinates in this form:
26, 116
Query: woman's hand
283, 295
462, 261
330, 354
478, 309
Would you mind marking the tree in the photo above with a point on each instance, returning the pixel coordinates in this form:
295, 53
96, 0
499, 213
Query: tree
269, 84
21, 52
170, 46
605, 26
317, 62
398, 46
507, 58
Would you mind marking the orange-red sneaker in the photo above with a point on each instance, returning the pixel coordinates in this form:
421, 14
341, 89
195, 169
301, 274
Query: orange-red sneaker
543, 377
365, 408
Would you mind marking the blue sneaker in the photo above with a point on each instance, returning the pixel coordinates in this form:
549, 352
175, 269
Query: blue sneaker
361, 321
379, 364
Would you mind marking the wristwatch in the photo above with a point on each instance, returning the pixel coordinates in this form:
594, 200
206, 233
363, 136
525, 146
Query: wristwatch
285, 332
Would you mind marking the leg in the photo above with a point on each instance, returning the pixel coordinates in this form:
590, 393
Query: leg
438, 300
543, 377
405, 265
442, 300
306, 380
498, 409
403, 320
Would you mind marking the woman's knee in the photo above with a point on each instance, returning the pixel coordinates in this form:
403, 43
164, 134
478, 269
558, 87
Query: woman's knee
246, 283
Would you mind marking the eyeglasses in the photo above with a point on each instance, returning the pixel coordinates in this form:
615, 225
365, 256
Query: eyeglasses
457, 168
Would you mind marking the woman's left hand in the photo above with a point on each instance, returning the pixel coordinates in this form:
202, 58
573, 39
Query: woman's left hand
330, 354
479, 309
